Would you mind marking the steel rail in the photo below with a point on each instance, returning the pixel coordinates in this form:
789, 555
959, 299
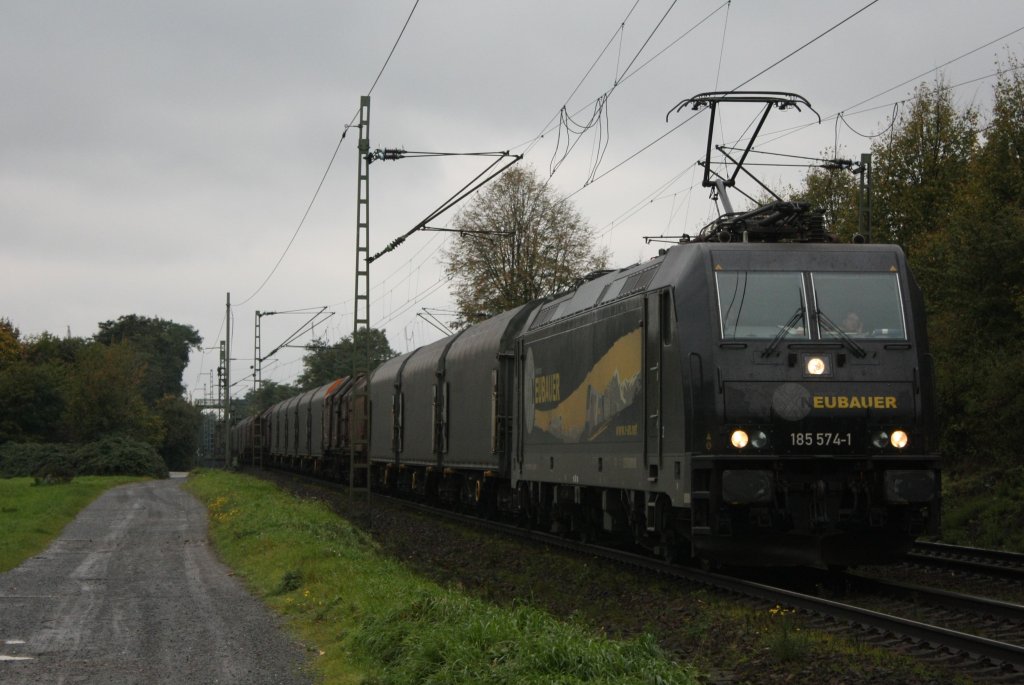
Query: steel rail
982, 606
989, 562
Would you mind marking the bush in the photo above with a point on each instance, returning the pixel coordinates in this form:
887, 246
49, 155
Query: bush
980, 509
57, 468
59, 463
120, 456
20, 460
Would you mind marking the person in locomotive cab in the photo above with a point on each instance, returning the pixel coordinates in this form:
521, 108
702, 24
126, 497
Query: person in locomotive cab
852, 323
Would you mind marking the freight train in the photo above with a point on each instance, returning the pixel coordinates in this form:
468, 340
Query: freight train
758, 395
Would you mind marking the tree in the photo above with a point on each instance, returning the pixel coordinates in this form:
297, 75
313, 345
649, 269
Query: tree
105, 397
324, 363
973, 277
31, 401
835, 192
33, 384
269, 394
520, 242
10, 346
919, 165
181, 421
47, 348
163, 345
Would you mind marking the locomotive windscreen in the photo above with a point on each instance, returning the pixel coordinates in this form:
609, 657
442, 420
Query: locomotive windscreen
760, 304
763, 305
862, 305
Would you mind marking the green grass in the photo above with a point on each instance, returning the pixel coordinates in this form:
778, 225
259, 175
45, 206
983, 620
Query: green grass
32, 515
369, 620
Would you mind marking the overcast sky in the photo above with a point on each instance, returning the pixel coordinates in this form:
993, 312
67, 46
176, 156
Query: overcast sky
156, 156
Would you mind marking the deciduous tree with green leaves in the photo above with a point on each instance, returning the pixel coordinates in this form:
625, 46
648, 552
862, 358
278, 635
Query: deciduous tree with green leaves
324, 362
181, 421
269, 393
835, 191
520, 241
920, 164
972, 273
104, 397
10, 346
163, 345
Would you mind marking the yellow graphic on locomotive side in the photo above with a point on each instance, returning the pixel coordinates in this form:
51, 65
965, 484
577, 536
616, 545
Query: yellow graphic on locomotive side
600, 406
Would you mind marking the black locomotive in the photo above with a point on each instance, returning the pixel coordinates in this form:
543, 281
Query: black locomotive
757, 395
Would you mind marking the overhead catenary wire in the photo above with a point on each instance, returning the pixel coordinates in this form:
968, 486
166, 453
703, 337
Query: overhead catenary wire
785, 132
593, 178
599, 118
330, 163
782, 133
808, 43
550, 126
547, 127
323, 179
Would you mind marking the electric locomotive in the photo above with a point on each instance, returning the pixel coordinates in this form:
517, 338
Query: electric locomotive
722, 401
717, 401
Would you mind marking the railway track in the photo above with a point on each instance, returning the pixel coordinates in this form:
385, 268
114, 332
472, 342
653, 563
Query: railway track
985, 562
991, 618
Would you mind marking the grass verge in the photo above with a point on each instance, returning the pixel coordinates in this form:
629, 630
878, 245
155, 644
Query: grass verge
32, 515
370, 620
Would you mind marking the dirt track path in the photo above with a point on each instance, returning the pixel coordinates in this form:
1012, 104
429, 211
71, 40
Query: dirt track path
132, 593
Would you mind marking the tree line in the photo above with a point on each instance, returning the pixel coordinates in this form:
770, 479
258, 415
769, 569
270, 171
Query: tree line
126, 381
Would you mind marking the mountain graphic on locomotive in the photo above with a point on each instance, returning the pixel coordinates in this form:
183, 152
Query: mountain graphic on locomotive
758, 395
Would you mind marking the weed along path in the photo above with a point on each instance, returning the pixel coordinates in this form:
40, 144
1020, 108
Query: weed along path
131, 593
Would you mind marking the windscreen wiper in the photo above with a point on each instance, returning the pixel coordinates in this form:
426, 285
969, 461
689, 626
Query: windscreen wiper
783, 332
857, 350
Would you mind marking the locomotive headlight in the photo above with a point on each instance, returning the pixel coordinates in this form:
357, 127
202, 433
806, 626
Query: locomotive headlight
899, 439
817, 365
739, 439
758, 439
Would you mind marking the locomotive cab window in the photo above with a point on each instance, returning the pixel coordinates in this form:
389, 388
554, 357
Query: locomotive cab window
859, 305
762, 305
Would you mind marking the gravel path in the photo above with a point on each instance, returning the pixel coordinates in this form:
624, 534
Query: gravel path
132, 593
